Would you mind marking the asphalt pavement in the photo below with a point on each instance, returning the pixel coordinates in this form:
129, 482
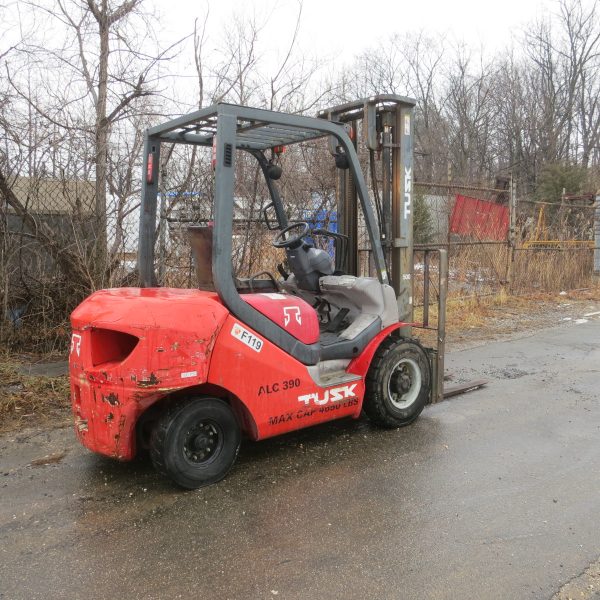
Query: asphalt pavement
493, 494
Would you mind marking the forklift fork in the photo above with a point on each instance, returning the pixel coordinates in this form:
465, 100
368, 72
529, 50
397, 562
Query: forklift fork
437, 354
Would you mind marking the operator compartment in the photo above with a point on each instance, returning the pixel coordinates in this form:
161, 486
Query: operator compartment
294, 315
291, 313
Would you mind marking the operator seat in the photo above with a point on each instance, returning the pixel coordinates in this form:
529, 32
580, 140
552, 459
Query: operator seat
360, 307
369, 306
309, 264
353, 309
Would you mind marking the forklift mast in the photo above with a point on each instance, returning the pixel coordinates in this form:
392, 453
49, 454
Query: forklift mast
385, 123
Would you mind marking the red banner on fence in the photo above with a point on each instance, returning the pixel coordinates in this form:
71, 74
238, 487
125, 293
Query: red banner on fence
479, 218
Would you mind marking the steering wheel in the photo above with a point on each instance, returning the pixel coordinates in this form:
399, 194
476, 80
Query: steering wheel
280, 242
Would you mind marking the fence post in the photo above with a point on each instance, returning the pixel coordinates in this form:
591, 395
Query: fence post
597, 238
512, 233
448, 204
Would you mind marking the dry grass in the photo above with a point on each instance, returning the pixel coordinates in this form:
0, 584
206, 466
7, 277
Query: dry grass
27, 400
483, 270
492, 316
461, 314
552, 270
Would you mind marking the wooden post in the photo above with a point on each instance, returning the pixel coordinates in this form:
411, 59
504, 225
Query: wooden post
449, 203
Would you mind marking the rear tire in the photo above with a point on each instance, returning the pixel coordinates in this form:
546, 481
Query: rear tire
398, 384
195, 442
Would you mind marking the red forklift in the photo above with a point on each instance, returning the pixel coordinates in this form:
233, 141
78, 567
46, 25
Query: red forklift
186, 373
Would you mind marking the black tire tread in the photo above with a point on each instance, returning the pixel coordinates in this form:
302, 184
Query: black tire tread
159, 436
374, 403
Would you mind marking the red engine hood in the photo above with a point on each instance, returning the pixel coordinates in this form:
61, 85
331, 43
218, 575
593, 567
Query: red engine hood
128, 309
129, 348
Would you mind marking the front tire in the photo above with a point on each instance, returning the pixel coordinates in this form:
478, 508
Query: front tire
195, 442
398, 384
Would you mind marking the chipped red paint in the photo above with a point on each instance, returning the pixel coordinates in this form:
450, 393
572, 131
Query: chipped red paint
155, 342
176, 333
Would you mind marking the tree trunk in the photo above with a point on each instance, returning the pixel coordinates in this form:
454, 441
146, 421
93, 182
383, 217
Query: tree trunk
102, 127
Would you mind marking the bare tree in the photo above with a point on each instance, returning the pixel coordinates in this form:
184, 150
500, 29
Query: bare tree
470, 115
108, 68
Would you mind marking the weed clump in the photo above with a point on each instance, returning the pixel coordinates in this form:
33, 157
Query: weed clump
27, 400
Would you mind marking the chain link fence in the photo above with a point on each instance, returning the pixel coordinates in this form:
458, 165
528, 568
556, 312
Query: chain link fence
554, 247
542, 246
48, 256
477, 260
56, 248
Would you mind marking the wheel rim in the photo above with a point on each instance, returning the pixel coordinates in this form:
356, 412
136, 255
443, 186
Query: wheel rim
203, 442
404, 383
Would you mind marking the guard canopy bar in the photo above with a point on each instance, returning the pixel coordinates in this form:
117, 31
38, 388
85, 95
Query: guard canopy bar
256, 128
352, 111
229, 127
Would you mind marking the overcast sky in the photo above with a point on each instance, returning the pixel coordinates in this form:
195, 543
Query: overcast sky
343, 28
332, 30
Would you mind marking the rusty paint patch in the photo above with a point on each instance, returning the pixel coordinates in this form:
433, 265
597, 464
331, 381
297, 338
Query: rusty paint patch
174, 346
117, 436
111, 398
152, 380
109, 418
160, 349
